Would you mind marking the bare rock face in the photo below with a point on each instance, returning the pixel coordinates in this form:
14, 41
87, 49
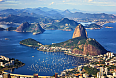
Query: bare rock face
91, 47
22, 27
91, 50
80, 31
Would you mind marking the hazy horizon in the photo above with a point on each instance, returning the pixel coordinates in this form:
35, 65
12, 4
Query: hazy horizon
94, 6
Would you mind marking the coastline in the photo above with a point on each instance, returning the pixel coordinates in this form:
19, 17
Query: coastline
9, 63
65, 52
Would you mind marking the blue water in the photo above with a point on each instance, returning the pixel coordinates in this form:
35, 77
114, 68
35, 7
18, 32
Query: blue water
46, 63
105, 36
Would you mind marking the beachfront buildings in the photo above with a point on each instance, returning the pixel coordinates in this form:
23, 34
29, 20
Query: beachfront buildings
104, 64
5, 61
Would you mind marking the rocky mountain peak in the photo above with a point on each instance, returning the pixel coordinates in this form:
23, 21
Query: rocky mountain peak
80, 31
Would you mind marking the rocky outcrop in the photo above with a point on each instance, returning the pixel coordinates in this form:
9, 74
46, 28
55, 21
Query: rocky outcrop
22, 27
80, 44
91, 47
91, 50
77, 51
80, 31
34, 28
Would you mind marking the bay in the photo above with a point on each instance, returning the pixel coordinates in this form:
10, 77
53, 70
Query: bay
46, 63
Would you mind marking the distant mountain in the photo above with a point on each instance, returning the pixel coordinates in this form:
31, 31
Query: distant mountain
54, 14
48, 13
74, 10
64, 24
19, 19
93, 25
28, 11
26, 27
68, 23
22, 18
52, 27
90, 16
8, 11
66, 12
39, 14
45, 9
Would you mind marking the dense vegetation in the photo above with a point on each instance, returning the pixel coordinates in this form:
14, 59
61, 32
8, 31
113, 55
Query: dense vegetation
78, 44
17, 63
72, 43
52, 27
30, 41
90, 70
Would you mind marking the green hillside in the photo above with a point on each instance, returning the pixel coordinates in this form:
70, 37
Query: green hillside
71, 43
31, 42
81, 43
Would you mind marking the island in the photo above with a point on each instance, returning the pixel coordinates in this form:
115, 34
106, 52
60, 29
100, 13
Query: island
30, 42
108, 27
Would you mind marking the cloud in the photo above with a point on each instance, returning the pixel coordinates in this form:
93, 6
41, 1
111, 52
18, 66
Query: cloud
103, 3
90, 0
2, 0
51, 3
9, 1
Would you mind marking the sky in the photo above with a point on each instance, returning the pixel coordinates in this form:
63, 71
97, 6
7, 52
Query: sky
84, 5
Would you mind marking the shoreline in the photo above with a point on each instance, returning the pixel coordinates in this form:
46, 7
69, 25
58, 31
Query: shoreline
67, 53
9, 63
6, 68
